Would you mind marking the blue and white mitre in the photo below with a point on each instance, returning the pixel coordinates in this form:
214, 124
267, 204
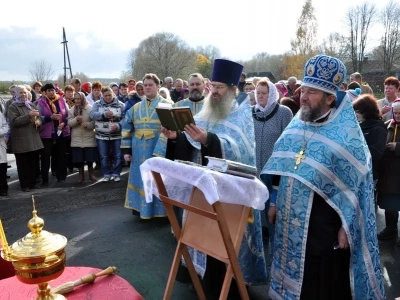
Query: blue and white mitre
324, 73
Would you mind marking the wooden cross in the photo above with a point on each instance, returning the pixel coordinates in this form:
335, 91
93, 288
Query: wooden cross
300, 156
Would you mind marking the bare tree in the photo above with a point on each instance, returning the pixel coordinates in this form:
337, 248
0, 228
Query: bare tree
264, 62
41, 70
125, 76
163, 54
359, 20
82, 76
336, 45
205, 59
209, 51
390, 42
304, 43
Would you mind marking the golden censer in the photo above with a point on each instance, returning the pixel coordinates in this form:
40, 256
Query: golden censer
38, 258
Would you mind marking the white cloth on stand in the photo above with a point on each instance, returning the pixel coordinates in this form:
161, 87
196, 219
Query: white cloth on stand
179, 179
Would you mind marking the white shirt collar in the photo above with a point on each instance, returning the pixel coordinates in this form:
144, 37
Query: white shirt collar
324, 115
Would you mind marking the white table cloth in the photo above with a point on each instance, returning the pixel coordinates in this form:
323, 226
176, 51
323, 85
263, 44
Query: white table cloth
179, 179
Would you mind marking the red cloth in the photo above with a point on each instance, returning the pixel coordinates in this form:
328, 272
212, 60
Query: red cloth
6, 269
104, 287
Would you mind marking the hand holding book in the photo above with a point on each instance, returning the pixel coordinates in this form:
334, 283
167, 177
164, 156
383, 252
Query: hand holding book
168, 133
198, 134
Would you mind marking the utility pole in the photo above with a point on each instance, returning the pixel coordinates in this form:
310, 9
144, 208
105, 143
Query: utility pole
66, 56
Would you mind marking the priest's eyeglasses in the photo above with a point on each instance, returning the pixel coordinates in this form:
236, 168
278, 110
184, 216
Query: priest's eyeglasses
218, 87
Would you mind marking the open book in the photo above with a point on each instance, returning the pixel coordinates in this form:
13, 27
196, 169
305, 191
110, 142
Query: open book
231, 167
175, 118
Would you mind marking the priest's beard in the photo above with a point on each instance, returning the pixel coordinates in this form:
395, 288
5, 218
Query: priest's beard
217, 109
310, 114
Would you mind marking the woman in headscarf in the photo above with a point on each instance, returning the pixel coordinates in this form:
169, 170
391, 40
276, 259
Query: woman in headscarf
282, 89
87, 88
389, 177
270, 119
164, 93
25, 140
83, 140
115, 88
184, 94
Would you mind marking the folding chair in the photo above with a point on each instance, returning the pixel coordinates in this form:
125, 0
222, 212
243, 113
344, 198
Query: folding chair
216, 230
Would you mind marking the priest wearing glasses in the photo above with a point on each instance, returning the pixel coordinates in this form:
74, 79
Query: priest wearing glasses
325, 243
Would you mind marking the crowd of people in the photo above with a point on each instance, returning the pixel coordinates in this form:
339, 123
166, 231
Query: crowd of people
326, 150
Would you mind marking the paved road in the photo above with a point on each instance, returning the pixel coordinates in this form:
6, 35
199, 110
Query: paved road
101, 233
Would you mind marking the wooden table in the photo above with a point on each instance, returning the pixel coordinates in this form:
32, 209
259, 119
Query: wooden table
104, 288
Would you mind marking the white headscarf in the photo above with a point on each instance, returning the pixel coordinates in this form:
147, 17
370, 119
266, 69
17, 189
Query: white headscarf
166, 92
273, 98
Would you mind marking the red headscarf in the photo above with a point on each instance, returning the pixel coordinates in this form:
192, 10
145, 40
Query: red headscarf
85, 87
282, 88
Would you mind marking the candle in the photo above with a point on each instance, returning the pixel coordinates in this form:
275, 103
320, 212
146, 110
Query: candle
3, 238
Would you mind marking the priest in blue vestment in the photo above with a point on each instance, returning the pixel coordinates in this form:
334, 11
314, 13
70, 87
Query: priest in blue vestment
325, 244
224, 129
141, 130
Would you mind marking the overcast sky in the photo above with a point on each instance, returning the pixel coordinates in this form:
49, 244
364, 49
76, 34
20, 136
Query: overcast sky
100, 36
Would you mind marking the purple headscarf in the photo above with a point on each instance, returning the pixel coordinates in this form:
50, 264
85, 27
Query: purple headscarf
183, 91
18, 100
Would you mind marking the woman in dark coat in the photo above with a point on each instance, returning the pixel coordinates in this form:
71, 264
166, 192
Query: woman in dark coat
373, 128
389, 176
25, 140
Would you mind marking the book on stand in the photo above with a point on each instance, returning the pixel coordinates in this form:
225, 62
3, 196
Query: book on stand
175, 118
231, 167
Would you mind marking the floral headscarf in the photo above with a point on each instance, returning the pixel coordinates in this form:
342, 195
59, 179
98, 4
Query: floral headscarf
78, 109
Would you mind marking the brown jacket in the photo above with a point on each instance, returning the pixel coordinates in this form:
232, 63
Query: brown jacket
82, 137
389, 166
24, 134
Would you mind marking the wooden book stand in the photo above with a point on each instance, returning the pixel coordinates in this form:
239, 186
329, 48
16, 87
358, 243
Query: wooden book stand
216, 230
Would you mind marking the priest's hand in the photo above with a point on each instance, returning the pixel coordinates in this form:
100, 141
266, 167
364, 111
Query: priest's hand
196, 133
342, 239
127, 157
168, 133
272, 215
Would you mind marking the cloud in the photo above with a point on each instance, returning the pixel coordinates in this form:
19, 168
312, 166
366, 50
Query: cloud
87, 55
100, 37
83, 41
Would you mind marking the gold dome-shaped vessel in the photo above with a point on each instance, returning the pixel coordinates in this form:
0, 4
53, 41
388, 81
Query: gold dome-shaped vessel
38, 258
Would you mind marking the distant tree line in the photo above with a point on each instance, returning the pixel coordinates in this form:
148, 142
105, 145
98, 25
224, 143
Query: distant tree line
167, 55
